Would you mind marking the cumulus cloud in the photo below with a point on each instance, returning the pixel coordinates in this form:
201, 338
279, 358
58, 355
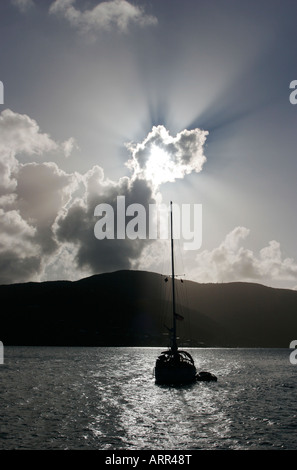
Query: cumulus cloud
119, 14
31, 196
68, 146
76, 224
184, 154
163, 158
47, 216
19, 133
42, 190
19, 255
231, 261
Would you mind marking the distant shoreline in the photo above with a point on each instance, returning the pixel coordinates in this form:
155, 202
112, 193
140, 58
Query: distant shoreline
131, 309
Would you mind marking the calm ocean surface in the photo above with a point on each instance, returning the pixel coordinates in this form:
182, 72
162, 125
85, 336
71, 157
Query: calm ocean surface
106, 399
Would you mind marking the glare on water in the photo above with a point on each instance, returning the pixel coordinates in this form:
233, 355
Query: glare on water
106, 398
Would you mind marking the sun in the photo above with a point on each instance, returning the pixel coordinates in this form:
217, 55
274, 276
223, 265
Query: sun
159, 166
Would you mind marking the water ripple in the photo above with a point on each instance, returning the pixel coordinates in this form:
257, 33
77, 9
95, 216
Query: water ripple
104, 398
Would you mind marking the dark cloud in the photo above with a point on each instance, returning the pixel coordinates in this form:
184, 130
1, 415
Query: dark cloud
42, 190
77, 224
19, 255
15, 268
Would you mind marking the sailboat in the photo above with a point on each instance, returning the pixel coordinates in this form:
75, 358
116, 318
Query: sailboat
175, 366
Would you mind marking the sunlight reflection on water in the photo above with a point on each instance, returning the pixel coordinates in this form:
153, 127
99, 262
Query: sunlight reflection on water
104, 398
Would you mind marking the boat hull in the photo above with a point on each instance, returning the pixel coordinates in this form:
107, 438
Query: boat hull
175, 367
171, 375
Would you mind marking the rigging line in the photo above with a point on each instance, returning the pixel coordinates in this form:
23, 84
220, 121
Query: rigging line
179, 300
165, 292
184, 298
161, 294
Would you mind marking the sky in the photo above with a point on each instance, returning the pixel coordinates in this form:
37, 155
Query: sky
160, 100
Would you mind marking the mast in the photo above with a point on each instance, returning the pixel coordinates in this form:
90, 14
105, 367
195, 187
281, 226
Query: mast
174, 343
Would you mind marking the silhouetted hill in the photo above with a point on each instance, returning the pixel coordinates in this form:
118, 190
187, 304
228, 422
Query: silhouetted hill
130, 308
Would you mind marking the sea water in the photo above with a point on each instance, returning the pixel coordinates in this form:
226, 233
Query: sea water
106, 399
